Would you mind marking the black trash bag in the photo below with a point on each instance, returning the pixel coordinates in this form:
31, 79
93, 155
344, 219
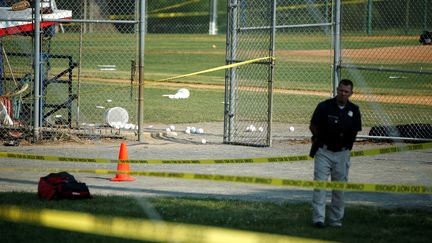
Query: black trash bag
426, 38
416, 130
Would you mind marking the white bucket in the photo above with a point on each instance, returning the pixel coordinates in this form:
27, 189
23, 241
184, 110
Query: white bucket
116, 117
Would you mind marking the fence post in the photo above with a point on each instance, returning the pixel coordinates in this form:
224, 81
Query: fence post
37, 74
230, 105
336, 46
425, 14
213, 18
141, 35
407, 16
271, 75
369, 17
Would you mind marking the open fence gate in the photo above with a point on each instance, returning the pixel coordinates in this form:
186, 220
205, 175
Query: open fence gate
251, 109
248, 88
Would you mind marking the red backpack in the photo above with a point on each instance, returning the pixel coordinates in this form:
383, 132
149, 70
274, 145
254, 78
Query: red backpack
62, 185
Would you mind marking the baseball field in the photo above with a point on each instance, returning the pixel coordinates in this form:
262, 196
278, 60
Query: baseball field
257, 209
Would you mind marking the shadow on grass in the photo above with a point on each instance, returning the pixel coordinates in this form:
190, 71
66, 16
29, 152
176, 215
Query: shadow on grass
361, 224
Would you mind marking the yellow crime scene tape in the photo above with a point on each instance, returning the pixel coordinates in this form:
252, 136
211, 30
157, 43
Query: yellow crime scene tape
137, 229
328, 185
157, 13
174, 6
279, 159
220, 68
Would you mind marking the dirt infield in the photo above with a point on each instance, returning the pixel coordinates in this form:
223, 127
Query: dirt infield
406, 99
385, 55
379, 55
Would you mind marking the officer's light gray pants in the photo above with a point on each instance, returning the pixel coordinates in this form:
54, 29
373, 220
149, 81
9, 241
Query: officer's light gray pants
336, 165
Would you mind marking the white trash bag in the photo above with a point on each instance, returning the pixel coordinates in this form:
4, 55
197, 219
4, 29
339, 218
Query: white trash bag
181, 94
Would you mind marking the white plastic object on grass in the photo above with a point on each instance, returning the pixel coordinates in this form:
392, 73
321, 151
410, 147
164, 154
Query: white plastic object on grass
181, 94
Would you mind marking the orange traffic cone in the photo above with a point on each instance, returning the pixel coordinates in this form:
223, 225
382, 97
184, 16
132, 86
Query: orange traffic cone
123, 167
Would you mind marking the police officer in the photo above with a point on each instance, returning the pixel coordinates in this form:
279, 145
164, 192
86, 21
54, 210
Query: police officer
334, 126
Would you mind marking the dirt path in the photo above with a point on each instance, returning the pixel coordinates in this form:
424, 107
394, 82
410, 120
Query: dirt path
393, 99
407, 99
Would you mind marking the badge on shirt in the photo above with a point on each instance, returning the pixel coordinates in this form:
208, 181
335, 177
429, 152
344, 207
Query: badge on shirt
350, 113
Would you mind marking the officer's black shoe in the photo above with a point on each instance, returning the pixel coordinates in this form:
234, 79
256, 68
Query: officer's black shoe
318, 225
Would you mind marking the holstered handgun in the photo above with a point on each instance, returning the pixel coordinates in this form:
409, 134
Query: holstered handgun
314, 147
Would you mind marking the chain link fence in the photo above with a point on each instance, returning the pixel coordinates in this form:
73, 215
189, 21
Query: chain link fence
304, 59
392, 69
86, 67
89, 65
379, 50
247, 100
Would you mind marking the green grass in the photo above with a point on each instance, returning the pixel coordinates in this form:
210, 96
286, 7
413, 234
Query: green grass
168, 55
207, 105
201, 106
361, 224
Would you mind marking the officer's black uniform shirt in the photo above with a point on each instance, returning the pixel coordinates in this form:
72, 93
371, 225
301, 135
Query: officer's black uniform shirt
337, 127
